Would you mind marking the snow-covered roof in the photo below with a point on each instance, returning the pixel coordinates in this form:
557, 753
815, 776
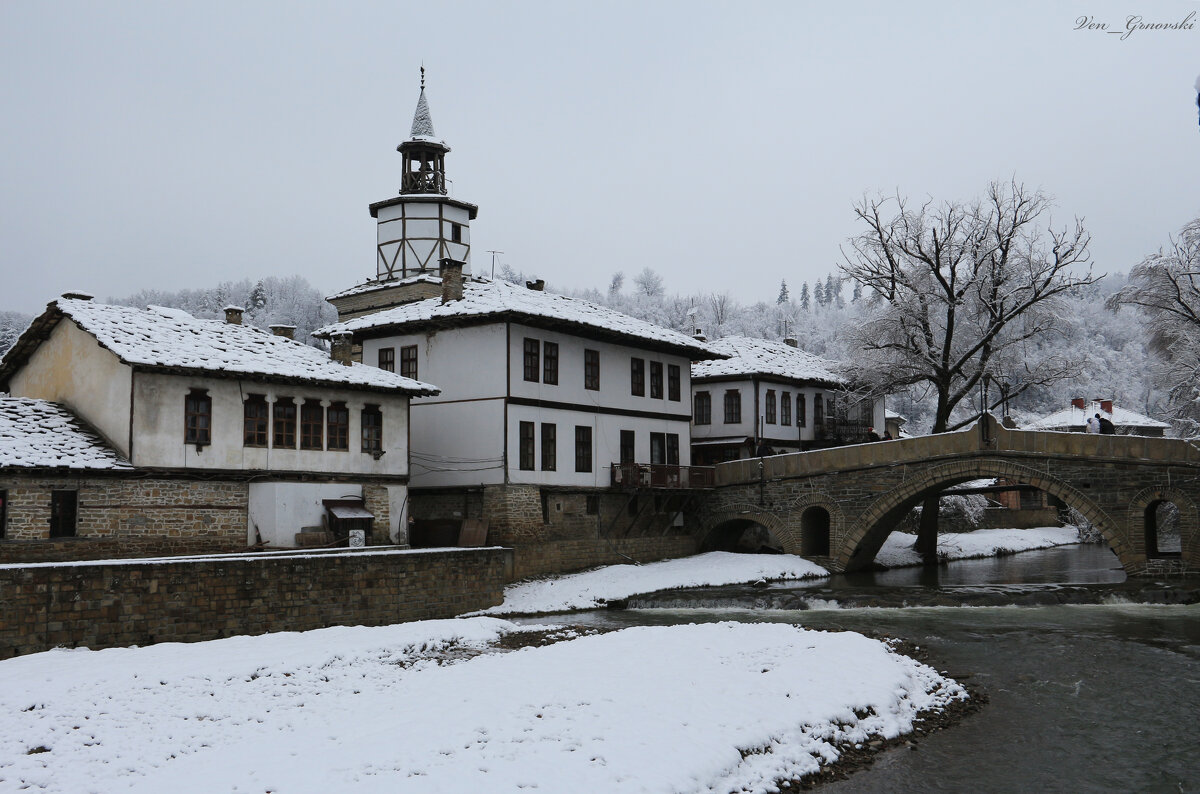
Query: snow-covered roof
42, 434
422, 126
373, 285
162, 338
1077, 417
749, 356
493, 301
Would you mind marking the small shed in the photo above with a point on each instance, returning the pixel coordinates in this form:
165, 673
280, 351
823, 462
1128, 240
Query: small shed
347, 518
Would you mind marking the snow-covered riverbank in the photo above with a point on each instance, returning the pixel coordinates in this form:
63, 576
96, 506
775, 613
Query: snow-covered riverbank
433, 707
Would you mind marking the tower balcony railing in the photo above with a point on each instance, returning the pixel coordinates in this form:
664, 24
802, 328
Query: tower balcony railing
424, 182
658, 475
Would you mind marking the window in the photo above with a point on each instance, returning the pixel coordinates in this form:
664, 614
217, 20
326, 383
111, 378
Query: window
801, 410
550, 363
456, 232
3, 511
593, 504
583, 448
197, 417
702, 408
733, 407
770, 407
637, 377
387, 358
818, 410
672, 449
255, 421
408, 361
372, 429
591, 370
337, 427
525, 459
549, 447
658, 449
533, 352
283, 416
312, 425
656, 380
673, 382
785, 408
627, 446
64, 508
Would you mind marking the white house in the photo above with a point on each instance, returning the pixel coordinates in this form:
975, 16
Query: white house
224, 415
1074, 419
772, 395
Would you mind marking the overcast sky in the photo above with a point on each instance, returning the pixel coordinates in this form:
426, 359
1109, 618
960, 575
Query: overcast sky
171, 145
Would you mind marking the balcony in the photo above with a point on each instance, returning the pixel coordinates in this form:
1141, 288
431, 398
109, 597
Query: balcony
647, 475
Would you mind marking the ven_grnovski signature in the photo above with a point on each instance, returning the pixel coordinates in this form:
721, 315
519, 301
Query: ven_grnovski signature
1134, 23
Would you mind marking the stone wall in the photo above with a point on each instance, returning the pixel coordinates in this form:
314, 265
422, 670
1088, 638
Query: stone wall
124, 516
142, 602
562, 556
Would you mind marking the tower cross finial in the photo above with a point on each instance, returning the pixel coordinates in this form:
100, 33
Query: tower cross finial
422, 75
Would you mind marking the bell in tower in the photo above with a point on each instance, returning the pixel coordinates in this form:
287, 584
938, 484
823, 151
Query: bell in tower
423, 225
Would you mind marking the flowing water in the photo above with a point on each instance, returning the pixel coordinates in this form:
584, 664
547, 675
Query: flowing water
1083, 697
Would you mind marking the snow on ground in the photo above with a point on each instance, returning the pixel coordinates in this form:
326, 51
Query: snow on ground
897, 550
593, 588
647, 709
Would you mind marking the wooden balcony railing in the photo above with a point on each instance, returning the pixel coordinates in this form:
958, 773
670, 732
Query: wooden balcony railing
646, 475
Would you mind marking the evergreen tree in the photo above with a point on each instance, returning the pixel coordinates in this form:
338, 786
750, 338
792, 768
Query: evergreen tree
258, 297
857, 293
819, 293
783, 292
804, 299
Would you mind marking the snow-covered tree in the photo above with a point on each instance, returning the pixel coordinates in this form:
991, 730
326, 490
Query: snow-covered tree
783, 292
616, 284
818, 293
804, 297
11, 326
649, 283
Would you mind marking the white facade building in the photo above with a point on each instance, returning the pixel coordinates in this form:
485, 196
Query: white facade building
772, 395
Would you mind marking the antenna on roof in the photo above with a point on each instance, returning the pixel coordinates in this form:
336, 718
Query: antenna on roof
493, 253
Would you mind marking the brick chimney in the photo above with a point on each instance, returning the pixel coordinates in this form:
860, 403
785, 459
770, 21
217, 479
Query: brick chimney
1077, 402
341, 348
452, 280
699, 336
1106, 406
233, 315
536, 286
286, 331
76, 295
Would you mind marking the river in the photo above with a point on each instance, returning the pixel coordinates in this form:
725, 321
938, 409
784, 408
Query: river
1096, 697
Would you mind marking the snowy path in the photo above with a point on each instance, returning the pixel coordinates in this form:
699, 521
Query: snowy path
648, 709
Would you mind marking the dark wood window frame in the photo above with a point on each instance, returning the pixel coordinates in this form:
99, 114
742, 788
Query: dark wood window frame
628, 449
637, 377
408, 361
702, 408
583, 448
733, 406
532, 359
372, 429
64, 512
769, 407
256, 421
550, 363
387, 359
591, 371
801, 410
785, 409
283, 423
656, 380
197, 418
673, 380
549, 446
658, 449
337, 427
312, 425
526, 441
672, 449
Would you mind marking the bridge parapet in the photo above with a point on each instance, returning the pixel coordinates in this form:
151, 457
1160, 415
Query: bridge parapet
986, 437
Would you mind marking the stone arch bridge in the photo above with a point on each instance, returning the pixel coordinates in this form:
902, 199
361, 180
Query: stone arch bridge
840, 504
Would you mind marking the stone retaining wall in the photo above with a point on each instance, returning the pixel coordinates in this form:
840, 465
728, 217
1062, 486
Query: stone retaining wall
563, 556
139, 602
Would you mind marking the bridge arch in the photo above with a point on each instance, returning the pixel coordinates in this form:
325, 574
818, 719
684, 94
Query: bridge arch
1144, 522
860, 544
805, 519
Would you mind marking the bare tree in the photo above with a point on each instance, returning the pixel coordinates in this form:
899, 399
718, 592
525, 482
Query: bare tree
720, 305
1166, 287
961, 291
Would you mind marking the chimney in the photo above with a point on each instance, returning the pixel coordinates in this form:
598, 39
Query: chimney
536, 286
233, 315
452, 280
286, 331
341, 347
699, 336
791, 341
76, 295
1106, 406
1077, 402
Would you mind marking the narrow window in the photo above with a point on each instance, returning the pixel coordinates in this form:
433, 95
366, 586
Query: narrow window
456, 232
672, 449
785, 408
525, 460
627, 447
702, 408
408, 361
593, 504
255, 421
637, 377
372, 429
387, 358
3, 512
733, 407
545, 507
770, 407
533, 354
583, 448
658, 449
673, 382
312, 425
197, 417
337, 427
550, 363
818, 410
64, 508
549, 447
656, 380
283, 416
591, 370
801, 410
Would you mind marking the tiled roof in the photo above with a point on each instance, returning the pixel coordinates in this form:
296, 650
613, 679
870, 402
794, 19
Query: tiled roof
1077, 417
42, 434
749, 356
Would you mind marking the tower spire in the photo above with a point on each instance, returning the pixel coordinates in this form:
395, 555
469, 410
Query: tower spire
422, 126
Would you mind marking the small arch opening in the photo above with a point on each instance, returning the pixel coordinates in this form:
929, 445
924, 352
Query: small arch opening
1162, 529
742, 536
814, 532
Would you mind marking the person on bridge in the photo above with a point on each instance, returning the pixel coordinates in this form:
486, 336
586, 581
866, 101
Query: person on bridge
1107, 428
872, 435
1093, 424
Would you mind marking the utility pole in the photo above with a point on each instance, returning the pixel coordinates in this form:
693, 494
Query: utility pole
493, 253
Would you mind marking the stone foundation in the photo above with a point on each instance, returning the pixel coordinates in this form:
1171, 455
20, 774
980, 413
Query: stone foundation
564, 556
